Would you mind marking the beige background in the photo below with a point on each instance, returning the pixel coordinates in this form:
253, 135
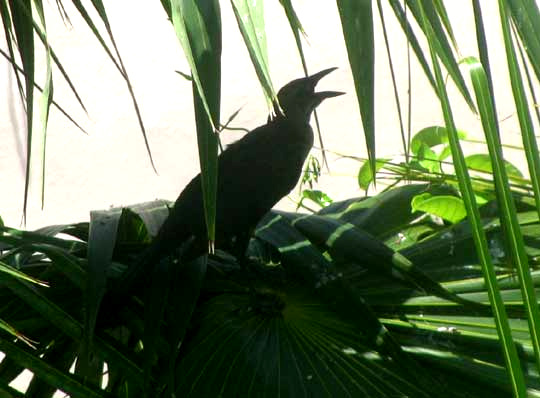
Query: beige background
109, 166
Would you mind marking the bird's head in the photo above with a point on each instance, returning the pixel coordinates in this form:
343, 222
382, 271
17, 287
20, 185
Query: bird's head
298, 98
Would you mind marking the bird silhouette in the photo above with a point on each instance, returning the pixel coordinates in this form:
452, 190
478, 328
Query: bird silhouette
254, 173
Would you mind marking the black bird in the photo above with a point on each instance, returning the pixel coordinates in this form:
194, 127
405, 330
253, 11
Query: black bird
254, 173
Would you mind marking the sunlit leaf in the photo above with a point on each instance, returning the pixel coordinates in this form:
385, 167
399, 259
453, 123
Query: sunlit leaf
449, 208
432, 136
365, 175
482, 162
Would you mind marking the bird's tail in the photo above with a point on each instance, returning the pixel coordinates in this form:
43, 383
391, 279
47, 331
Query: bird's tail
139, 275
135, 276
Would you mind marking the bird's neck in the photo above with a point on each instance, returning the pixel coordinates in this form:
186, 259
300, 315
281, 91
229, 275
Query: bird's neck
295, 120
298, 116
294, 130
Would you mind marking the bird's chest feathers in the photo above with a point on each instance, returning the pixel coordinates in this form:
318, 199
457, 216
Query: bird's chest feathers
267, 163
290, 147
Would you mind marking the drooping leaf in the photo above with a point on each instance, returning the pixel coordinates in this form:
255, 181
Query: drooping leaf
198, 28
250, 19
101, 242
21, 14
357, 24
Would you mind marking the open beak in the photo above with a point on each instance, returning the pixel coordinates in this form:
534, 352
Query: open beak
328, 94
314, 79
319, 75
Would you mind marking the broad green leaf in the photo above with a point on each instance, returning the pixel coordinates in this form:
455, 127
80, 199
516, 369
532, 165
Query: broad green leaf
365, 175
449, 208
428, 159
432, 136
482, 162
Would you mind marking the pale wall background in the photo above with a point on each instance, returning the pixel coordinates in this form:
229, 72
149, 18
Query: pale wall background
109, 166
